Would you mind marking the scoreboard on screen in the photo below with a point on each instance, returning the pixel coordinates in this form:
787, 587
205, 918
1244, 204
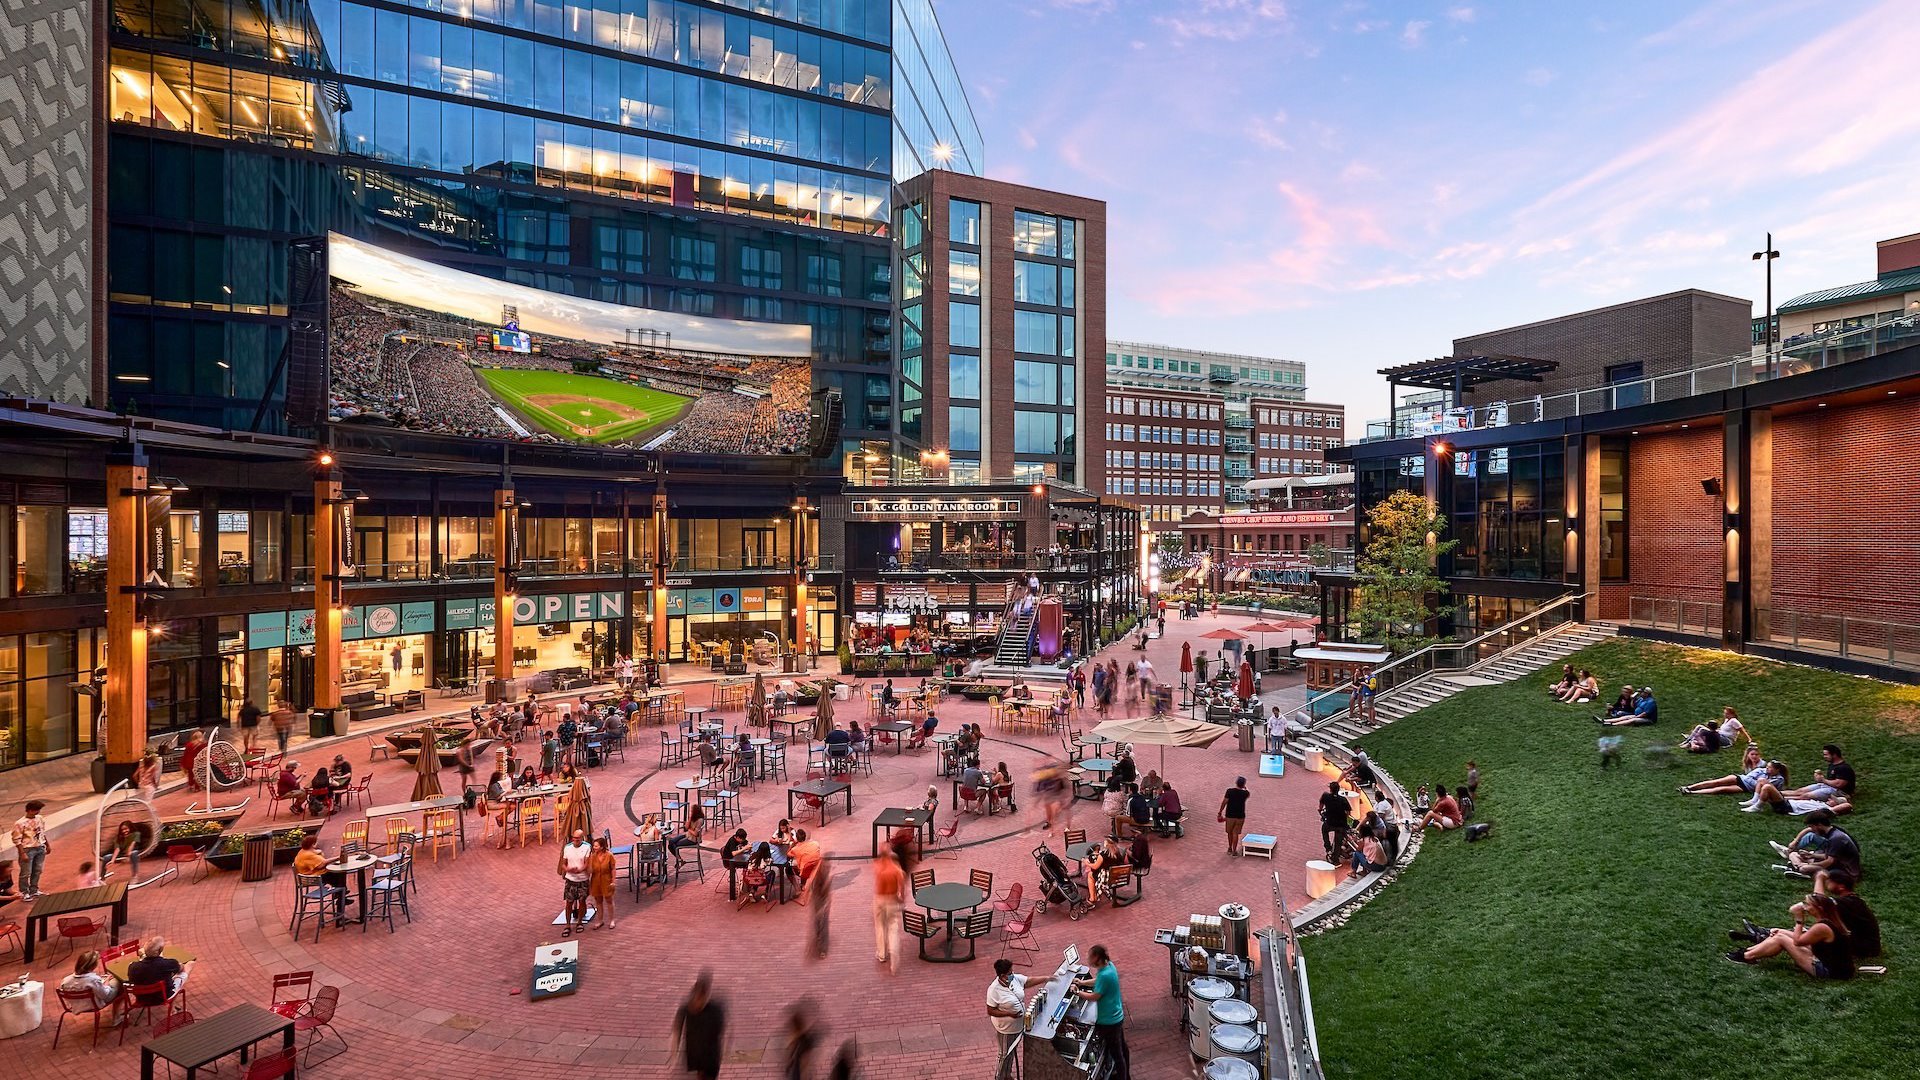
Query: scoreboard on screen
509, 338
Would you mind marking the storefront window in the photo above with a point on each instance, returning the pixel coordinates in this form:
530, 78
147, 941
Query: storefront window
300, 534
542, 545
87, 550
268, 531
173, 675
466, 546
384, 665
233, 535
408, 557
38, 555
1613, 513
183, 548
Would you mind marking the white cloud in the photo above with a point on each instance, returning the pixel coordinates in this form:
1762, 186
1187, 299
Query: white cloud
1414, 34
1224, 20
1462, 14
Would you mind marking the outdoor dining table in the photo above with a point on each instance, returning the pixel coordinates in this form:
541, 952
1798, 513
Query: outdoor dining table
1097, 767
356, 864
198, 1045
444, 802
894, 817
779, 873
948, 898
760, 748
899, 728
824, 790
119, 968
797, 726
111, 895
697, 715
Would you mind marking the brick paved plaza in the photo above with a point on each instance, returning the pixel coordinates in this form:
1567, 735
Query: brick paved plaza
445, 996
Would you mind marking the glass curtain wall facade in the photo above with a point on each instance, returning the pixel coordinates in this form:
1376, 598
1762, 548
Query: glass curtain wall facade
728, 158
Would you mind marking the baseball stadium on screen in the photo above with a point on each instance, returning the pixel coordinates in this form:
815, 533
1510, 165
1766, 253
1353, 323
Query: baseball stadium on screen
427, 348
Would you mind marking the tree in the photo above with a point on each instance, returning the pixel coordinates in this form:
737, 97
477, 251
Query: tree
1396, 590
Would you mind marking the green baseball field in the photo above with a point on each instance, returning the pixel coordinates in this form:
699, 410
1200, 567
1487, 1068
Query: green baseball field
584, 407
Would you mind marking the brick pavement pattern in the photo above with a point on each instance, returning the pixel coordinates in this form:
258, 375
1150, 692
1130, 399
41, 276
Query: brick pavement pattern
445, 996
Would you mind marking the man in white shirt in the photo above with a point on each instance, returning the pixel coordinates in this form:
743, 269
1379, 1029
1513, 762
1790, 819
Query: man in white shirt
1276, 731
1145, 671
1006, 1007
573, 870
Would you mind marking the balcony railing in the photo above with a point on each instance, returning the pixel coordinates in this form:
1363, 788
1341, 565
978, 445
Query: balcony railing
1680, 616
1238, 446
1850, 637
1235, 420
482, 569
1792, 357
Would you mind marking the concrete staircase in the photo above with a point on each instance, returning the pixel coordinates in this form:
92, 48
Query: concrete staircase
1518, 663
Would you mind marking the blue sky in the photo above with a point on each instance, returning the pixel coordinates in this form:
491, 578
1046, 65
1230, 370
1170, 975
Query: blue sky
1355, 184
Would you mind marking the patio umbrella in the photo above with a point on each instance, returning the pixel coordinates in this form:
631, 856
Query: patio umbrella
1186, 661
1244, 686
1224, 634
427, 784
1263, 629
823, 718
579, 816
757, 705
1162, 730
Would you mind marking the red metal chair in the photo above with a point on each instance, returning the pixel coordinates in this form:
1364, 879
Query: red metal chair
114, 952
275, 797
285, 986
181, 856
1016, 933
146, 998
81, 1003
74, 927
1011, 901
318, 1014
272, 1067
12, 930
969, 800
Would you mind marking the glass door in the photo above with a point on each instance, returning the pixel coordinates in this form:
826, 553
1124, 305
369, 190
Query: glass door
758, 548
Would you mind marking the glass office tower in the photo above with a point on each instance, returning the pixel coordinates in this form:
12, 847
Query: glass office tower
728, 158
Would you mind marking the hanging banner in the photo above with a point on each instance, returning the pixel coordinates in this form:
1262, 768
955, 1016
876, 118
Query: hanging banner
266, 629
159, 550
344, 538
510, 563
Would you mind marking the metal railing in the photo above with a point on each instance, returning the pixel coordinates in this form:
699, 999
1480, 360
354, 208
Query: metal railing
1459, 655
1679, 616
1793, 357
1293, 1046
1877, 641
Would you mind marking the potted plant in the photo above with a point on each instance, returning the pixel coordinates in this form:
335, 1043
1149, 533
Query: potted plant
194, 832
286, 844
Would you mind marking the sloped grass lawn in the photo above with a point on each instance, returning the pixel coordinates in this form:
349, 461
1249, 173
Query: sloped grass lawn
1583, 938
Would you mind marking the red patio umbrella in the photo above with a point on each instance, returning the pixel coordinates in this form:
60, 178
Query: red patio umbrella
1244, 686
1186, 660
1223, 634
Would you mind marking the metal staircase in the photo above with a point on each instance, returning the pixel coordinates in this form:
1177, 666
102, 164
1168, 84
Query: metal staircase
1016, 642
1432, 675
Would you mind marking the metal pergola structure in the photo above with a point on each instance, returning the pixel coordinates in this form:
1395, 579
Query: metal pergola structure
1458, 374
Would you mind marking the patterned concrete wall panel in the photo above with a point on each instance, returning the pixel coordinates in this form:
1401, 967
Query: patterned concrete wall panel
46, 199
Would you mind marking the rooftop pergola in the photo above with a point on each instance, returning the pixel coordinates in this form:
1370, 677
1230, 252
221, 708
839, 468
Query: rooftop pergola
1461, 373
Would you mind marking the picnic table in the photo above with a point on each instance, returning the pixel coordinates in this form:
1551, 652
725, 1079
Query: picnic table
824, 790
111, 895
198, 1045
444, 802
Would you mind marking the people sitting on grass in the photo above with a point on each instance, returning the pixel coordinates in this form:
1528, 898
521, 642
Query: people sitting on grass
1775, 793
1753, 770
1369, 857
1465, 799
1836, 781
1622, 705
1446, 813
1561, 687
1645, 711
1821, 947
1710, 738
1584, 688
1836, 851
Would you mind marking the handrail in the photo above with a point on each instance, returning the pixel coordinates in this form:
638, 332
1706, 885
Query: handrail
1293, 1046
1803, 353
1424, 658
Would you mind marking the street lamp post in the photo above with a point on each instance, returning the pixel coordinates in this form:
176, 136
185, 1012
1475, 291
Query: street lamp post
1773, 334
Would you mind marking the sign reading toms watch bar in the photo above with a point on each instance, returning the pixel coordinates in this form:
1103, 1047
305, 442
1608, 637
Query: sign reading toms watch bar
936, 507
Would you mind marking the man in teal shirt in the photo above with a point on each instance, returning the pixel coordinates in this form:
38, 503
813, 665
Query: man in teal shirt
1109, 1016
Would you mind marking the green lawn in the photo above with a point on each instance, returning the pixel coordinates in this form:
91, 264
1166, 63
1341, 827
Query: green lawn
609, 410
1583, 939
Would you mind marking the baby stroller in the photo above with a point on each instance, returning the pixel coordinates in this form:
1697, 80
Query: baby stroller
1058, 885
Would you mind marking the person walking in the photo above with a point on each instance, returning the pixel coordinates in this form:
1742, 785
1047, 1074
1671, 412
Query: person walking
601, 867
1006, 1008
819, 896
282, 720
573, 871
30, 841
803, 1038
1109, 1018
701, 1023
889, 897
249, 726
1233, 813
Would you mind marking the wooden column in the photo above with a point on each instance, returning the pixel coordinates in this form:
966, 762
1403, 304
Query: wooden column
506, 567
328, 591
658, 645
125, 736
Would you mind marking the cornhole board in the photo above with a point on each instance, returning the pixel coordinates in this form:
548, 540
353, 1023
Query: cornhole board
1258, 844
1273, 765
556, 970
561, 919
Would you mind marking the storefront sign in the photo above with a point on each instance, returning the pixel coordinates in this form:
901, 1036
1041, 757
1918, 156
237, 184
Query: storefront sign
300, 627
677, 602
569, 607
353, 623
381, 620
159, 511
266, 630
726, 601
465, 614
417, 618
933, 507
753, 599
1283, 517
699, 601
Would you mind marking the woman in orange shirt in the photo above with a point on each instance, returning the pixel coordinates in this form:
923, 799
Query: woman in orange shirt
600, 871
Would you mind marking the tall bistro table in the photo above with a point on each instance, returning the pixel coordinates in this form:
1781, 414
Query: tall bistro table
947, 898
825, 790
198, 1045
111, 895
444, 802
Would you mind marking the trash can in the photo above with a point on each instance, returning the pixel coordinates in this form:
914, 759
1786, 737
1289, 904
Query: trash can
1235, 921
1244, 730
256, 858
1273, 658
502, 690
320, 724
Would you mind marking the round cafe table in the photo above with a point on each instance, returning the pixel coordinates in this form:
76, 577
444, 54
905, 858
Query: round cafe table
948, 898
20, 1008
356, 864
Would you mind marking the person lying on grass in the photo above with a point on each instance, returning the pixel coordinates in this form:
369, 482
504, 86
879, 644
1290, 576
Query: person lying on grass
1753, 770
1821, 948
1445, 813
1585, 688
1837, 852
1645, 711
1709, 738
1622, 705
1775, 792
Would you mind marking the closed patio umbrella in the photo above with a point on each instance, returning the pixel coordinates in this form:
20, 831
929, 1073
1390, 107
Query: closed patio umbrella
579, 816
823, 718
1186, 661
757, 705
427, 784
1244, 685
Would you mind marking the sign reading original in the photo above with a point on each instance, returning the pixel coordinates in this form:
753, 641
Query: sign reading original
933, 507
